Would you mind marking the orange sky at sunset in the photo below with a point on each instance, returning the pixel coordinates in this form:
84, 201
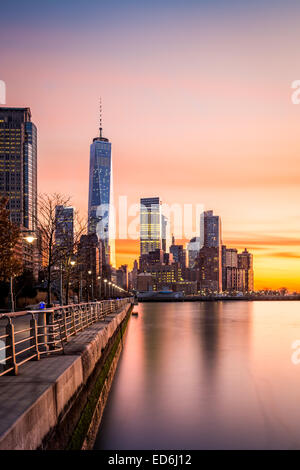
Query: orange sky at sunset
197, 107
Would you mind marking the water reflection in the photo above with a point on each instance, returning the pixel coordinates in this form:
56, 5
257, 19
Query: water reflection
202, 376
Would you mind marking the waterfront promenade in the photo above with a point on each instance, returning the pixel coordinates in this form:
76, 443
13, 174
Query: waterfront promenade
48, 404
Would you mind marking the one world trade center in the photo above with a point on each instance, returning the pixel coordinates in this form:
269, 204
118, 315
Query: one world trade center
100, 182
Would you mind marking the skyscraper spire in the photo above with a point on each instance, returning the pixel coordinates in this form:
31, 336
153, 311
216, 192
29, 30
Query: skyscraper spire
100, 118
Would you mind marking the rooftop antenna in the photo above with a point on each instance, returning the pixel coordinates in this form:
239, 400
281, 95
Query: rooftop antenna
100, 118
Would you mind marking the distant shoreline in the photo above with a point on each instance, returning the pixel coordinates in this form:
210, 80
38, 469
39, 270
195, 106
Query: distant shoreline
222, 299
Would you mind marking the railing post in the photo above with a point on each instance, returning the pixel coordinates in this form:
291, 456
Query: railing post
81, 322
51, 335
73, 314
34, 336
92, 313
10, 341
42, 331
87, 314
65, 323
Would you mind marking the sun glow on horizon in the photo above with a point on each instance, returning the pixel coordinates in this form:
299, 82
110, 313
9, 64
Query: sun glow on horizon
196, 103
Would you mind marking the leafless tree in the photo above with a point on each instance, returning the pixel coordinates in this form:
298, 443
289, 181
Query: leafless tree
47, 223
67, 251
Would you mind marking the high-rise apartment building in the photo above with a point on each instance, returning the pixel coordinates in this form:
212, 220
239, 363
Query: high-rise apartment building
210, 255
245, 261
235, 279
179, 254
18, 165
208, 269
229, 260
210, 230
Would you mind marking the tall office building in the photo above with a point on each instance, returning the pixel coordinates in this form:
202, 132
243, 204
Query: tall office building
179, 253
193, 248
208, 269
245, 261
122, 276
64, 221
164, 223
90, 262
150, 225
210, 255
18, 165
210, 230
229, 260
235, 279
100, 187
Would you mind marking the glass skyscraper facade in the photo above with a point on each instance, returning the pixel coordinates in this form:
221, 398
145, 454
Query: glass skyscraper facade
210, 230
18, 165
100, 191
193, 248
150, 225
64, 221
164, 224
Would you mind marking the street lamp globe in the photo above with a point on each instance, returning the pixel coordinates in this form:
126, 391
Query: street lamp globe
30, 238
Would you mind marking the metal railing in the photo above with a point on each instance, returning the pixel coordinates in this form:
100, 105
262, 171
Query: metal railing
44, 332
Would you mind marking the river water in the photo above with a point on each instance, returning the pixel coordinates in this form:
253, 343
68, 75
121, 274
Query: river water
206, 375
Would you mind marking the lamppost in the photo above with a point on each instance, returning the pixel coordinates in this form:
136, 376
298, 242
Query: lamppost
72, 263
99, 279
105, 293
61, 284
29, 237
92, 284
109, 289
80, 286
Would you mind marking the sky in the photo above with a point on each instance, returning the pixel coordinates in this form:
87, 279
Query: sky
196, 102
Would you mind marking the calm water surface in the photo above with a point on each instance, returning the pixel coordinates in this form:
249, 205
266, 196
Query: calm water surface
206, 375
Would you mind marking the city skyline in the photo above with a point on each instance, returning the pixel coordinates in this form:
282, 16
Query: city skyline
149, 228
230, 142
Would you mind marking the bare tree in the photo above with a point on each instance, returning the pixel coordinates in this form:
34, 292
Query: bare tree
67, 251
48, 224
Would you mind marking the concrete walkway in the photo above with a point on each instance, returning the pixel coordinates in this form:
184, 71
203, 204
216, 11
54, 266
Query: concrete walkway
31, 402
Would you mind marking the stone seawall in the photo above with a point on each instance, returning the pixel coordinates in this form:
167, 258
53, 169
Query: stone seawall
57, 402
